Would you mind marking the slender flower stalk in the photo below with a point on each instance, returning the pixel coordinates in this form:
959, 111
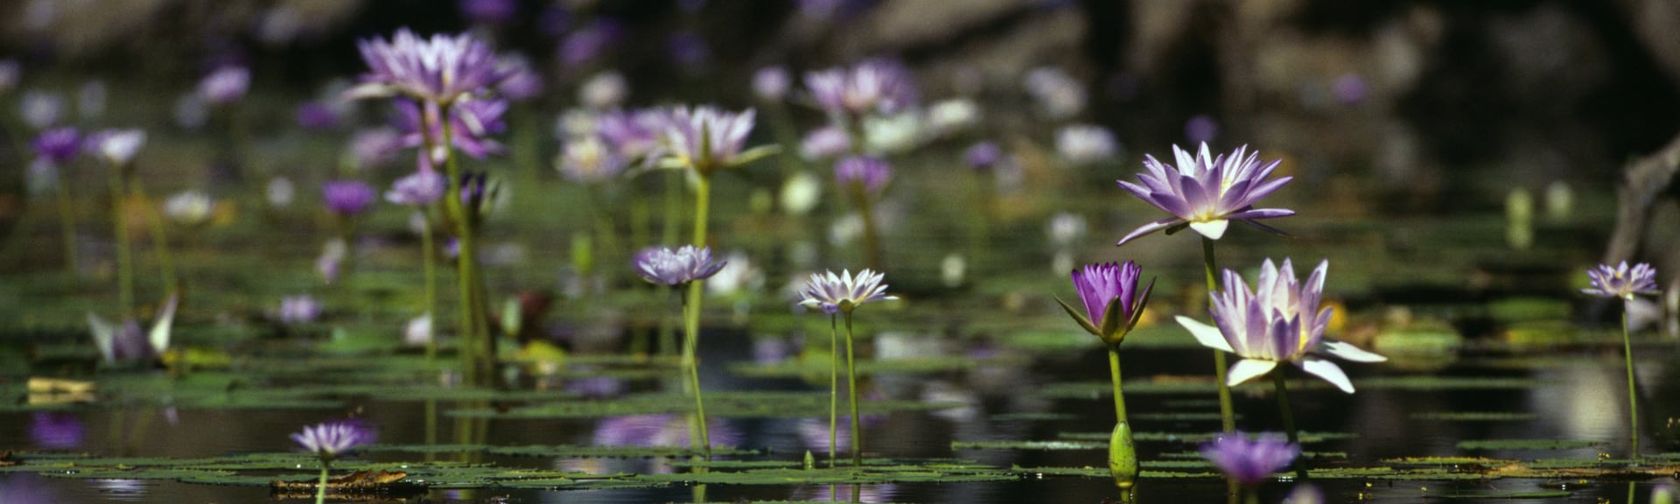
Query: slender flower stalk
864, 177
678, 269
841, 294
58, 148
1227, 413
1625, 283
421, 190
833, 384
1112, 308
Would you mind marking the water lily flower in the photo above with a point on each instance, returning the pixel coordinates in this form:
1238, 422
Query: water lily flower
825, 142
418, 331
589, 160
189, 208
418, 189
489, 11
1059, 95
1113, 304
522, 82
58, 145
771, 83
348, 197
117, 146
375, 147
1066, 228
328, 440
1205, 192
843, 292
1250, 461
983, 156
876, 85
866, 172
439, 70
1280, 321
41, 109
604, 90
225, 85
300, 309
1620, 281
587, 43
127, 343
56, 430
708, 139
1086, 144
677, 267
472, 123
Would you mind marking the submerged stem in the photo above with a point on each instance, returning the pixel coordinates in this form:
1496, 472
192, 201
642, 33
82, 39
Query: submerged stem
1633, 390
833, 384
852, 392
691, 342
1288, 415
1227, 416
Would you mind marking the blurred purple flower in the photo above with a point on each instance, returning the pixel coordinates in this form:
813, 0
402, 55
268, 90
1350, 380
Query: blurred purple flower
663, 430
27, 488
41, 109
300, 309
225, 85
1201, 128
983, 156
1620, 281
1206, 192
825, 142
472, 123
866, 172
348, 197
439, 70
843, 292
587, 43
522, 82
489, 11
688, 49
328, 440
316, 116
633, 134
813, 434
375, 147
418, 189
1110, 294
1250, 462
708, 139
771, 83
56, 430
1280, 323
1349, 89
596, 386
116, 146
664, 266
876, 85
58, 146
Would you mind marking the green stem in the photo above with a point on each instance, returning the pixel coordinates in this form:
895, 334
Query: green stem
1253, 496
67, 221
160, 240
833, 384
1633, 390
1288, 415
852, 394
321, 488
475, 336
1114, 373
702, 205
669, 228
1227, 416
691, 343
125, 259
871, 233
428, 267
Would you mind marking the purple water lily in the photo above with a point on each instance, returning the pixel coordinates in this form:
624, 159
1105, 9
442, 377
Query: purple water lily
876, 85
1111, 297
1250, 461
472, 123
331, 439
1280, 321
771, 83
225, 85
983, 156
633, 134
419, 189
127, 343
522, 82
1620, 281
439, 70
866, 172
1206, 192
348, 197
843, 292
708, 139
58, 145
299, 309
676, 267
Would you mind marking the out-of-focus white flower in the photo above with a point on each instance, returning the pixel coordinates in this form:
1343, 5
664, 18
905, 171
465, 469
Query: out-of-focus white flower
1058, 95
801, 193
953, 269
1066, 228
189, 208
418, 332
894, 133
41, 109
738, 273
1085, 144
827, 142
575, 123
604, 91
956, 114
771, 83
280, 192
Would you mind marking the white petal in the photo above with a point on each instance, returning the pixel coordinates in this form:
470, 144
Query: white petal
1211, 229
1207, 335
1329, 372
1248, 369
1349, 352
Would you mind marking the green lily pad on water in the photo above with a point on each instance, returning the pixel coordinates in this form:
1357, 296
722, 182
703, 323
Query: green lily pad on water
722, 404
